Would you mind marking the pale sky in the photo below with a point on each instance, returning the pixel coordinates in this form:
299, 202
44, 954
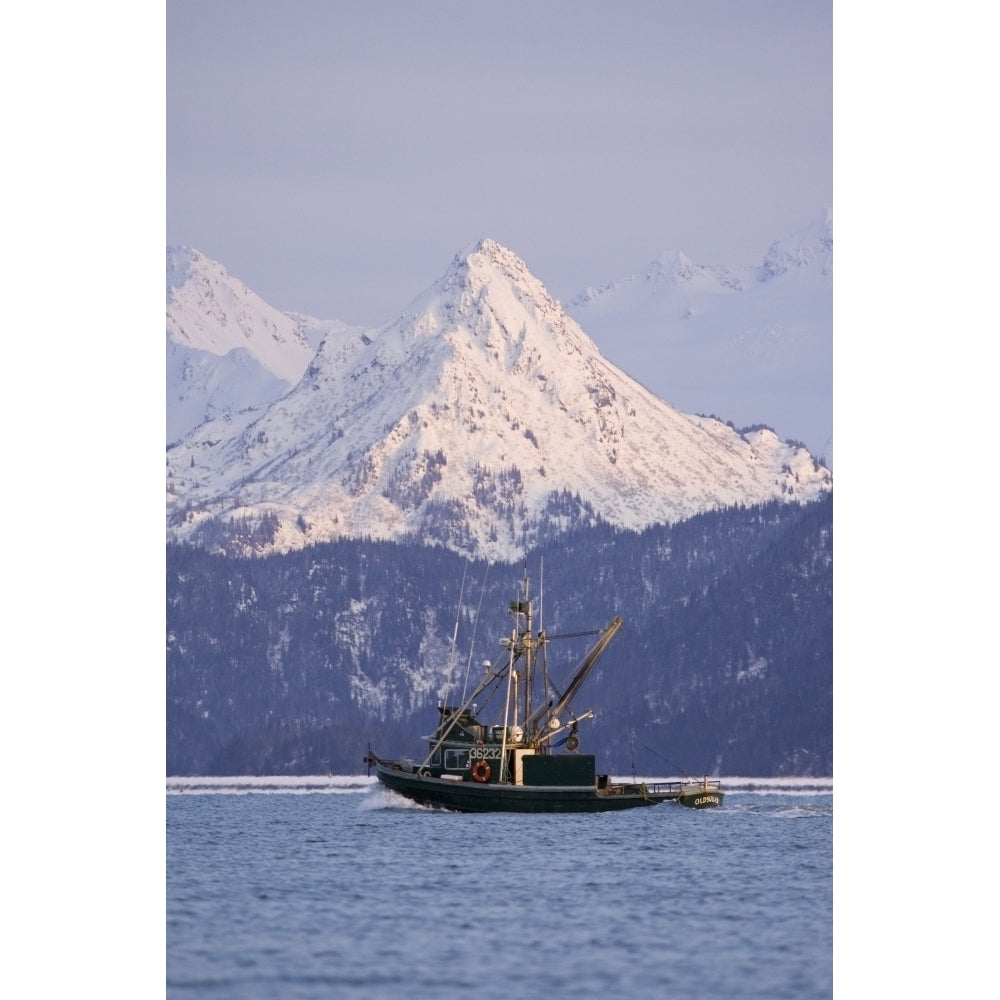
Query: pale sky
335, 156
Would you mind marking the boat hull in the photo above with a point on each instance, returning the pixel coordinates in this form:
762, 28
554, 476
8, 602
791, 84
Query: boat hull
471, 796
700, 798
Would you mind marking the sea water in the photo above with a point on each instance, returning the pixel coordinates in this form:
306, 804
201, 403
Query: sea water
337, 888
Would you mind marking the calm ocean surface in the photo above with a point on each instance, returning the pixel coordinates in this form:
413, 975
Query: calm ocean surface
316, 888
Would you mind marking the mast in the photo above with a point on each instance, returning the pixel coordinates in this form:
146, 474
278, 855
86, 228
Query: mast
529, 652
522, 643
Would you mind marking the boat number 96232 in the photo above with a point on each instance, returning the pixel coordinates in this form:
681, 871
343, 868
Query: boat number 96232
486, 753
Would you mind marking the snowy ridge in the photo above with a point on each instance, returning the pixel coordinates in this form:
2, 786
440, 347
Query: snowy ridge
812, 247
229, 353
748, 344
672, 269
482, 418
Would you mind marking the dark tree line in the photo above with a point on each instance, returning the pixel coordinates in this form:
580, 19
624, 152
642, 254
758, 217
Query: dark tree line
293, 663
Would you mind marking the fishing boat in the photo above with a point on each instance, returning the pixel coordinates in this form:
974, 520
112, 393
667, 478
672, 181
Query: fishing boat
512, 764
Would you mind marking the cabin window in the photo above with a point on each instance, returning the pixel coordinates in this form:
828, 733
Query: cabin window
457, 760
436, 758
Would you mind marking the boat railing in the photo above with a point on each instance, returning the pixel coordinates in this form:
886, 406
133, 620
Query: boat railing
690, 785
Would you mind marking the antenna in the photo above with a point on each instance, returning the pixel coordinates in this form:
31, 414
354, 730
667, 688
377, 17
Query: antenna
543, 641
541, 594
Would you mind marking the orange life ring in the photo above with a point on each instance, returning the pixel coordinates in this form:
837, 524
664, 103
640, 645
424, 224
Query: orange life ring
481, 771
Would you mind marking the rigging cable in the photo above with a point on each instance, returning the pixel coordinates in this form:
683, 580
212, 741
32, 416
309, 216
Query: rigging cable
680, 769
475, 626
454, 636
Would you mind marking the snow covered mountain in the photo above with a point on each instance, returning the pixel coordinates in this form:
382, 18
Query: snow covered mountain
484, 419
229, 353
749, 345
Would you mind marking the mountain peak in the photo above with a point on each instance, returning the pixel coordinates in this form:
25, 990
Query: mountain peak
488, 302
483, 419
486, 261
489, 251
810, 247
229, 353
180, 261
